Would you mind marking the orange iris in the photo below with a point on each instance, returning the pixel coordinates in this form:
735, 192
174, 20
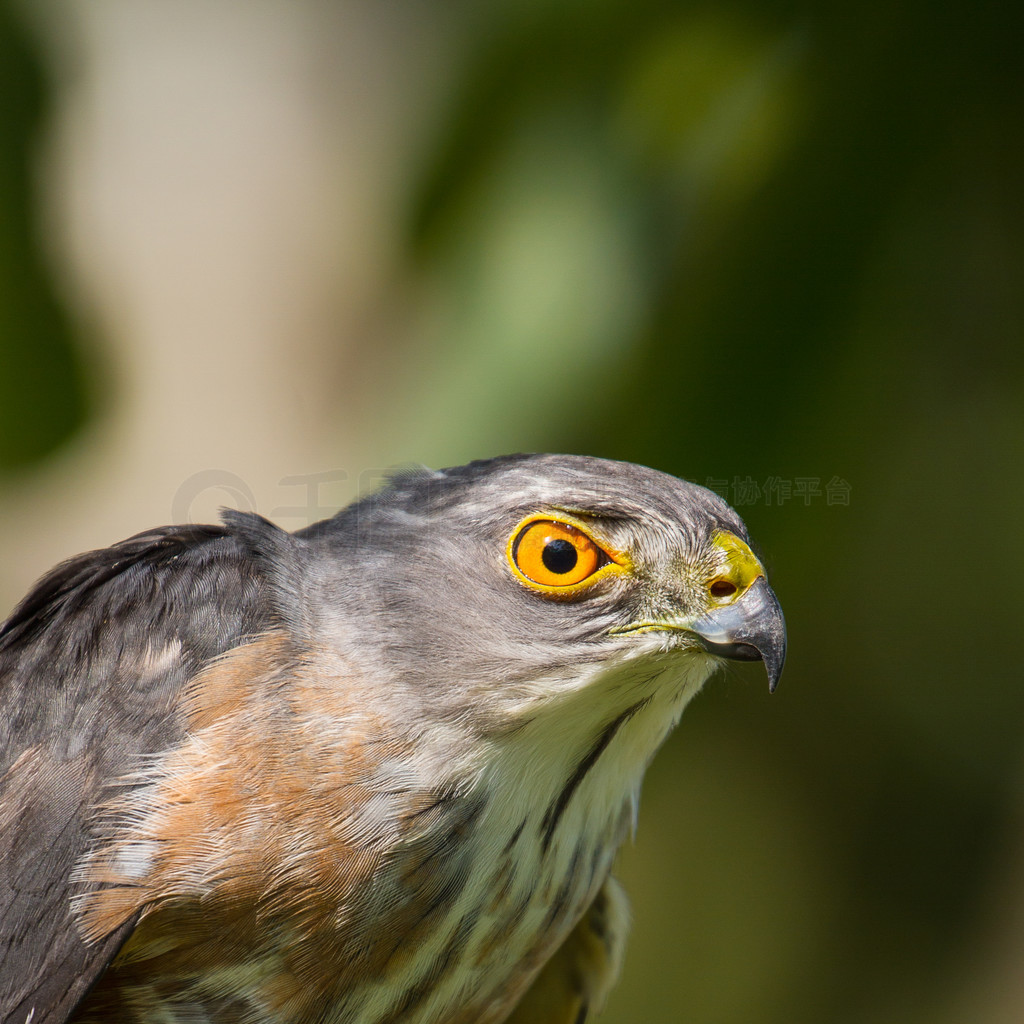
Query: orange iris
556, 554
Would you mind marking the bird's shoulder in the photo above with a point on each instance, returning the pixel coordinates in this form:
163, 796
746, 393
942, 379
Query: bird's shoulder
93, 665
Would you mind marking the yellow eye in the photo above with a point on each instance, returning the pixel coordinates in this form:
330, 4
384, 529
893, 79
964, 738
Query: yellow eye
556, 554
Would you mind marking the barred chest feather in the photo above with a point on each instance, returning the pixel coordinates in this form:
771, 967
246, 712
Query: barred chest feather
369, 895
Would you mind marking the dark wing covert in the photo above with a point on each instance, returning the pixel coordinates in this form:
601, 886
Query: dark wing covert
91, 666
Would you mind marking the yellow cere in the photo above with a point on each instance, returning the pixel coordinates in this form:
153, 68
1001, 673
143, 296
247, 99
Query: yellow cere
740, 570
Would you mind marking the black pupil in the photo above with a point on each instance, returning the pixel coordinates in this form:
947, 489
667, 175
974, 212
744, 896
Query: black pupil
559, 556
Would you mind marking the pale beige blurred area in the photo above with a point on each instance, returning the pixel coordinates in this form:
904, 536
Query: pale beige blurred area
218, 187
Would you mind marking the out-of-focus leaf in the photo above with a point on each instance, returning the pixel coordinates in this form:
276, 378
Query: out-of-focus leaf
42, 393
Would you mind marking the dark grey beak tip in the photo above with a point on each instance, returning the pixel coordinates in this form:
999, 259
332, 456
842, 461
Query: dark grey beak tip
771, 644
773, 656
773, 662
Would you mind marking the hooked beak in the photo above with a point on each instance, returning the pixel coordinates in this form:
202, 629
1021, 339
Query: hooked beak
750, 628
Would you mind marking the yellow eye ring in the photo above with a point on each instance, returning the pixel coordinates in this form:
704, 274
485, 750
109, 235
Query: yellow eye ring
558, 557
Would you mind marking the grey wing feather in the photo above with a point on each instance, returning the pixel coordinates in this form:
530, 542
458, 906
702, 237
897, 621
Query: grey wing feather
91, 666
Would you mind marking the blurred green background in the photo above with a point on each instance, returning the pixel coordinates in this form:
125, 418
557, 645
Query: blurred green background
775, 248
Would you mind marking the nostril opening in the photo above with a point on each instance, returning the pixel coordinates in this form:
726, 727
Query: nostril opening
722, 588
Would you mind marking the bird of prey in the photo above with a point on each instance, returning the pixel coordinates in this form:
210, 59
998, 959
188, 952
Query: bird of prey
373, 771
